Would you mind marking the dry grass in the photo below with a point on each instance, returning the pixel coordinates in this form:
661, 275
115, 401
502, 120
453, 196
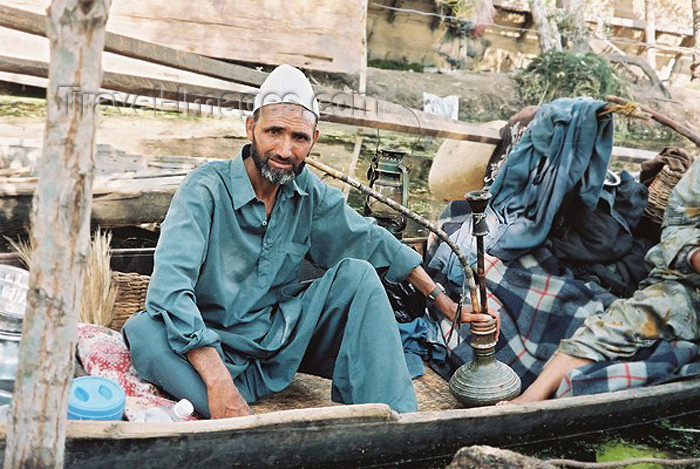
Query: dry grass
23, 250
98, 294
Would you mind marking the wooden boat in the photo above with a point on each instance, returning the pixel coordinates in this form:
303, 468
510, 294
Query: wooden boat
128, 190
301, 427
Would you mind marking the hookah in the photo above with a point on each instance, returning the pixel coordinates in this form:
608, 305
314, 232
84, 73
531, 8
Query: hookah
485, 380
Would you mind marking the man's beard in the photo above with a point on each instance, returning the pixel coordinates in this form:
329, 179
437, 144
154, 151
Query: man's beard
276, 176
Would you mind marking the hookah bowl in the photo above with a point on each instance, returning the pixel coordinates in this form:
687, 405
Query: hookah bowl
485, 380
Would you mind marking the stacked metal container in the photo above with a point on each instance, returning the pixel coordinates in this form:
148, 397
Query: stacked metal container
13, 301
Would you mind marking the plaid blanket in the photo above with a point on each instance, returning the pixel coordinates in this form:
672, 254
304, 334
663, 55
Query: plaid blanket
540, 303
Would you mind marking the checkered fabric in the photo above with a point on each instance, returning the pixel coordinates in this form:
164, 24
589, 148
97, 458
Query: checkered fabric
541, 303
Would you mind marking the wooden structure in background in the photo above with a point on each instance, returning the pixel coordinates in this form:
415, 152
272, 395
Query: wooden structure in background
319, 35
511, 40
119, 201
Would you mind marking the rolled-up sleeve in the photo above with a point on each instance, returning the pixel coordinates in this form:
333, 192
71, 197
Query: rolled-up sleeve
340, 232
179, 256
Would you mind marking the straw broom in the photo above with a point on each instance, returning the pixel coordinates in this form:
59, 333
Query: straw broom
99, 293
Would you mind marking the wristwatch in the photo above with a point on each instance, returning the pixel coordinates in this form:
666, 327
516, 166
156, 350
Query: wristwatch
437, 291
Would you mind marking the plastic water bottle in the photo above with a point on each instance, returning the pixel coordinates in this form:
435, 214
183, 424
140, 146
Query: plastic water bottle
177, 413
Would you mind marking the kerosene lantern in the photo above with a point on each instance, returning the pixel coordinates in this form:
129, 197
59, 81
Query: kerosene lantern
389, 176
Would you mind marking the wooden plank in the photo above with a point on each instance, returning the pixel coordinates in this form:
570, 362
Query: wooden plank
632, 155
384, 116
143, 88
33, 23
388, 116
321, 35
133, 203
21, 43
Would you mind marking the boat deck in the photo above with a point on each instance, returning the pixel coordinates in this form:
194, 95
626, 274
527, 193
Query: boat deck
307, 391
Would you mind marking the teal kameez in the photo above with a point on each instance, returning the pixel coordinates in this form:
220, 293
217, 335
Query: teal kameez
227, 276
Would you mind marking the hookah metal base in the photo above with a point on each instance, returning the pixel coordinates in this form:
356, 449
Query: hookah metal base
484, 381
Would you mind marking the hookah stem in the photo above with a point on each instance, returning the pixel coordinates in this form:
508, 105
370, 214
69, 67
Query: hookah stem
480, 273
415, 217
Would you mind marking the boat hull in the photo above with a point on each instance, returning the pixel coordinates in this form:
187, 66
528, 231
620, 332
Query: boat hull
349, 436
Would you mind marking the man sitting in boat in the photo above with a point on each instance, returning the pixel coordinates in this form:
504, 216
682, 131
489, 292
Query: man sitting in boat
227, 321
667, 306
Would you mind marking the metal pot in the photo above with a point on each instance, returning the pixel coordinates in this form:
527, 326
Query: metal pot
13, 301
9, 357
13, 298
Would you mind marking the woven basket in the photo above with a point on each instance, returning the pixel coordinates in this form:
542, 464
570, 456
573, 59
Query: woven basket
131, 297
660, 193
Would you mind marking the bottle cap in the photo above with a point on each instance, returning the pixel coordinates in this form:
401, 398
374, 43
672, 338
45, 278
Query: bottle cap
183, 409
95, 398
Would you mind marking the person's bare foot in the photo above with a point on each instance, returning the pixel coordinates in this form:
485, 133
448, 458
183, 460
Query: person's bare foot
524, 398
548, 380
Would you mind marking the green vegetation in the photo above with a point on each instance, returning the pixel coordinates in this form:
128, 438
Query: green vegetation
555, 75
621, 450
387, 64
22, 106
674, 438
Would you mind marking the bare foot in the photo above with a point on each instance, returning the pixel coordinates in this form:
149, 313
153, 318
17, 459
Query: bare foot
548, 380
524, 398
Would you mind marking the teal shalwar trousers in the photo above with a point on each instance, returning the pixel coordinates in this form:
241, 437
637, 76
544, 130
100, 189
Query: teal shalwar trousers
341, 326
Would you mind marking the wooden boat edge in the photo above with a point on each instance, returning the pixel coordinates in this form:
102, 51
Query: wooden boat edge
364, 414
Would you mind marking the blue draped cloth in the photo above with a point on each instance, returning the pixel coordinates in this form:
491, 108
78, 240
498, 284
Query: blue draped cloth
566, 147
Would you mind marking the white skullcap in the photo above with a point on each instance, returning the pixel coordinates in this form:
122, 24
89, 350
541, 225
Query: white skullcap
287, 84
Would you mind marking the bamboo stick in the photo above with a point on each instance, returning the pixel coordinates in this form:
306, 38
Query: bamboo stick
469, 277
661, 119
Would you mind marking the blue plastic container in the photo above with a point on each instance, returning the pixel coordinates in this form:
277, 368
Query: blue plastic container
95, 398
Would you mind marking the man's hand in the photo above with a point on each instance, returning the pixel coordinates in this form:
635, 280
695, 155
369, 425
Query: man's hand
223, 397
449, 309
420, 279
225, 400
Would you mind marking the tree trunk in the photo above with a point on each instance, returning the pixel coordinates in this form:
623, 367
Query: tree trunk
695, 67
650, 32
573, 28
61, 216
547, 30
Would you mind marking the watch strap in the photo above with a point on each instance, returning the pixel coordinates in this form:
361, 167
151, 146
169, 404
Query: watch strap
436, 292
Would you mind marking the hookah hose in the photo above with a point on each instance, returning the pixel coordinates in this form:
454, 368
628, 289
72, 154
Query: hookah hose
468, 284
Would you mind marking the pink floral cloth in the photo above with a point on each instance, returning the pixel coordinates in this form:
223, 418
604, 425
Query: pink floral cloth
103, 352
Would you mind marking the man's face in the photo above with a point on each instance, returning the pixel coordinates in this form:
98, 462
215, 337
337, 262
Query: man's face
282, 138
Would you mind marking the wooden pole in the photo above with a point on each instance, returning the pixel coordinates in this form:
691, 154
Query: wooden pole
650, 32
547, 30
362, 89
661, 119
695, 67
61, 219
